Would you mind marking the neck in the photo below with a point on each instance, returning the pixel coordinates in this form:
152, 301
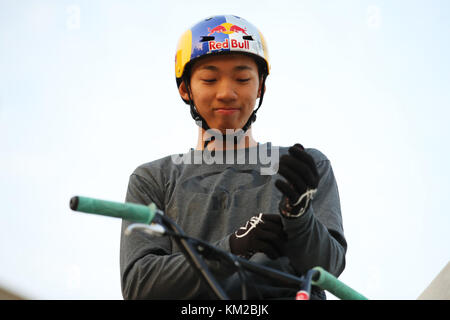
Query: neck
245, 142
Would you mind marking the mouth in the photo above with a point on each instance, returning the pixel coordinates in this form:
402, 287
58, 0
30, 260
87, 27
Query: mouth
226, 111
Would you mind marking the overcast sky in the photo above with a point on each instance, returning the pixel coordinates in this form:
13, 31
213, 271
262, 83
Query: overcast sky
87, 93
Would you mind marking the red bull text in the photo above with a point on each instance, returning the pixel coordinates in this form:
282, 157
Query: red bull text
233, 44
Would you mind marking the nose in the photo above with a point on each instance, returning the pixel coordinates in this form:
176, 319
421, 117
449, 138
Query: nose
226, 91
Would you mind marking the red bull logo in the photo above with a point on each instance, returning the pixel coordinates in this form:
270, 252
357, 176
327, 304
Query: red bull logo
226, 28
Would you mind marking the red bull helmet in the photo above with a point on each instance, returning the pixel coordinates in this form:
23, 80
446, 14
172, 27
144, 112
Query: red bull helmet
220, 35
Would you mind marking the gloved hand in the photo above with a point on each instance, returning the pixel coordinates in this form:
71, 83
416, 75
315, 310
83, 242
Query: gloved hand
262, 233
302, 177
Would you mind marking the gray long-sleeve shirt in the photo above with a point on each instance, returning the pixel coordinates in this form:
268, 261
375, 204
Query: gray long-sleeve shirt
209, 201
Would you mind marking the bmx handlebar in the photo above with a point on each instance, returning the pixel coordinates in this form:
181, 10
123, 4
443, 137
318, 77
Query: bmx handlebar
127, 211
145, 214
327, 281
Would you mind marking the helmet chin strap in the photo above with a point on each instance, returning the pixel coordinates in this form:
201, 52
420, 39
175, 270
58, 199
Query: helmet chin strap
239, 134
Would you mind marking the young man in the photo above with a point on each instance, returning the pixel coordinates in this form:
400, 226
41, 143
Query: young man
288, 219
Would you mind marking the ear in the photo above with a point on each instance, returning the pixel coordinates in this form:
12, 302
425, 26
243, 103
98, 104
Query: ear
183, 91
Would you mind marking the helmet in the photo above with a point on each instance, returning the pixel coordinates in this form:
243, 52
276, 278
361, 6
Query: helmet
220, 34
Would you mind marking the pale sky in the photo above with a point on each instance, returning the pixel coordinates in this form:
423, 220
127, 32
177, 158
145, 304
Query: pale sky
87, 93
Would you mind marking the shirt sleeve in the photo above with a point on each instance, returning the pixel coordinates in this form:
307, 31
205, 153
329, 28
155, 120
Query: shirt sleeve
148, 268
316, 238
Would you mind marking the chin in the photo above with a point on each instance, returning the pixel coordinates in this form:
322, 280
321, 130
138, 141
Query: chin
230, 126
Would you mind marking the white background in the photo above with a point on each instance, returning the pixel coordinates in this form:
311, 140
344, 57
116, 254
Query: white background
87, 93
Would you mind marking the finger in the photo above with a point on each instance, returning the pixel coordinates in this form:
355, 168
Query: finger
292, 177
301, 168
271, 232
303, 156
287, 190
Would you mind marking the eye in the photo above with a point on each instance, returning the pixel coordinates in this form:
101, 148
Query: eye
243, 79
209, 80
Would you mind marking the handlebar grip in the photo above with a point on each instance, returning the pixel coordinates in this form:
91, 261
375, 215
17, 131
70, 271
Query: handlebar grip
330, 283
127, 211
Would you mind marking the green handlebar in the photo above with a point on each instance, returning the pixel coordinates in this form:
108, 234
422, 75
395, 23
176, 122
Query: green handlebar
127, 211
145, 214
330, 283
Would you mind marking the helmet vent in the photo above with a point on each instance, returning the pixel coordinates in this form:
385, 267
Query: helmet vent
247, 38
207, 38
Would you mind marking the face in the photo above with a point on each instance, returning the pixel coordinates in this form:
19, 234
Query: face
224, 89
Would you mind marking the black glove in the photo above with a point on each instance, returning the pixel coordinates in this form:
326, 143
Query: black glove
262, 233
302, 177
